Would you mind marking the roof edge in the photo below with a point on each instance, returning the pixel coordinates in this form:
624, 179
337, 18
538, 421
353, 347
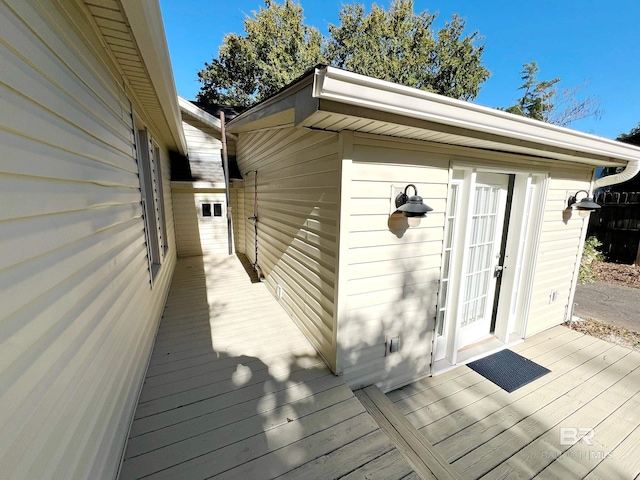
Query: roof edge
205, 117
341, 86
145, 21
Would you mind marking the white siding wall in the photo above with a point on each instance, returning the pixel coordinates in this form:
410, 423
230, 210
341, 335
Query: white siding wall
298, 181
238, 216
197, 235
77, 314
393, 275
559, 253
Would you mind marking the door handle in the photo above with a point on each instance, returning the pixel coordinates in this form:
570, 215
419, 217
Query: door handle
498, 270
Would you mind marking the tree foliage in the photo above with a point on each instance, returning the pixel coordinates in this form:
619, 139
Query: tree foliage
397, 44
276, 49
542, 100
632, 137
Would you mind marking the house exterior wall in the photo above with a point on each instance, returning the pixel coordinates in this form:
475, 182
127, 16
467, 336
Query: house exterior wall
393, 275
297, 209
393, 271
196, 234
558, 260
238, 215
78, 313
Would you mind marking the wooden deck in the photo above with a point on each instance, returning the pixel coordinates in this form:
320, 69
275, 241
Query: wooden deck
485, 432
234, 390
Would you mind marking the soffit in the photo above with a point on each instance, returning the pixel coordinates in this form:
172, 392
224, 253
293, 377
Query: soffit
332, 117
118, 36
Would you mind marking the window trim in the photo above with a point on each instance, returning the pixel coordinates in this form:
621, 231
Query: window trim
152, 197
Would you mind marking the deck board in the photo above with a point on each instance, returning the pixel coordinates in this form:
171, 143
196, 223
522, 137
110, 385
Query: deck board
485, 432
234, 390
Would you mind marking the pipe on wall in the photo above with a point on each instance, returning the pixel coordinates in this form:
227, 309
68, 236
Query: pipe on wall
630, 171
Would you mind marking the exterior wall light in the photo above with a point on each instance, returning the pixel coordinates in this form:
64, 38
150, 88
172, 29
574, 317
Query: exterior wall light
584, 206
412, 206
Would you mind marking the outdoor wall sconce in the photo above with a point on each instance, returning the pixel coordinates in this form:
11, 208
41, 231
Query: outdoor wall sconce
412, 206
584, 206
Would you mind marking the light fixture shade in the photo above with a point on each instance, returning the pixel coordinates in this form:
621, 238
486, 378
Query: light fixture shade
586, 204
415, 207
412, 206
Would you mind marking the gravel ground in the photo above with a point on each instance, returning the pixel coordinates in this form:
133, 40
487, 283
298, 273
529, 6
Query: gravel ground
617, 274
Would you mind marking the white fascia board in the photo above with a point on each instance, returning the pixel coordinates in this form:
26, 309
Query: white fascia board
197, 113
197, 185
359, 90
145, 20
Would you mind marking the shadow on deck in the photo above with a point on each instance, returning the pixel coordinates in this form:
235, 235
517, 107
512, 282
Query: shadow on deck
592, 395
234, 390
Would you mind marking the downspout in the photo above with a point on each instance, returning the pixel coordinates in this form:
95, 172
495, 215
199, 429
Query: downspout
630, 171
225, 166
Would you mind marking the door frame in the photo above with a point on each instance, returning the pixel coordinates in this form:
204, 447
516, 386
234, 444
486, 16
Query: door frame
523, 237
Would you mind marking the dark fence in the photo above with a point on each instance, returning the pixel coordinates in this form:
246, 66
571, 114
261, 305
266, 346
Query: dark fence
617, 225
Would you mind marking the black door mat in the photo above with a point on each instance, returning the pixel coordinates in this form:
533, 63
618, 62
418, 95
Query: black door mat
508, 370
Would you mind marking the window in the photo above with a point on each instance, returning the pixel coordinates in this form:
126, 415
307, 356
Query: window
208, 211
217, 209
148, 158
159, 192
446, 261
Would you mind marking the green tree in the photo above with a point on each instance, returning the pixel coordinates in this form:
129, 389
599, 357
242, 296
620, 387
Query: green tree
632, 137
276, 49
398, 45
542, 100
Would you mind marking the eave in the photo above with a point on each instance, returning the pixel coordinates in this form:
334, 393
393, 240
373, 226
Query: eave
133, 32
340, 100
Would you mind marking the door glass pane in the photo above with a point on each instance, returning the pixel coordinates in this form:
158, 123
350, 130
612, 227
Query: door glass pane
479, 261
446, 261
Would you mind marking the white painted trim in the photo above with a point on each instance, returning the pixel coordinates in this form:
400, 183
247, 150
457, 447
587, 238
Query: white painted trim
342, 262
460, 260
583, 238
197, 113
145, 20
198, 185
508, 327
533, 246
349, 88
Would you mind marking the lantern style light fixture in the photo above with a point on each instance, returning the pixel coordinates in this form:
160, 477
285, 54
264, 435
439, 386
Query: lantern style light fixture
412, 207
584, 206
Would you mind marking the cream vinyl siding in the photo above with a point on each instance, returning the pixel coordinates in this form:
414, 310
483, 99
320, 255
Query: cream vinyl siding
196, 234
393, 276
78, 315
238, 215
559, 253
297, 208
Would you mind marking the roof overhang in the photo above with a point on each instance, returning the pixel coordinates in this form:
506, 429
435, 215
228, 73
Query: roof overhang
333, 99
134, 33
193, 111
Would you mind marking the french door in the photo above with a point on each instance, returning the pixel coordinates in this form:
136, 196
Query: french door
481, 261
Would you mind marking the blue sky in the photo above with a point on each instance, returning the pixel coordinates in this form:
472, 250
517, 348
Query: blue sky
577, 41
